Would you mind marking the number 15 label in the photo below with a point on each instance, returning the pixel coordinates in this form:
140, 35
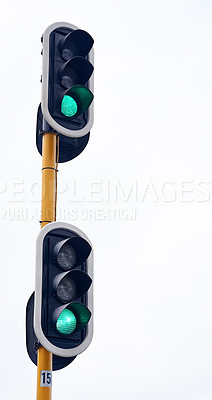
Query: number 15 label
46, 379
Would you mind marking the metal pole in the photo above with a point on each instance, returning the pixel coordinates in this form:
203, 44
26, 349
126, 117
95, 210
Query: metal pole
48, 214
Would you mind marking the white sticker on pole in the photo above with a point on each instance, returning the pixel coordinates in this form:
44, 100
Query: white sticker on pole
45, 378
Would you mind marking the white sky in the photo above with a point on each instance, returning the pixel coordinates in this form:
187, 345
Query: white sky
152, 139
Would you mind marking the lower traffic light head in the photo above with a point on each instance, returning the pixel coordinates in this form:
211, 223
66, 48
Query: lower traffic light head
63, 293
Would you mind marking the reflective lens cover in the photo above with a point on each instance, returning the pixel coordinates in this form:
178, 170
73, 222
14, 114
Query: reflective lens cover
66, 322
68, 106
66, 290
66, 257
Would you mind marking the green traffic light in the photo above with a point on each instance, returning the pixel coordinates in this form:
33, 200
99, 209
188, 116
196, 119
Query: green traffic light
66, 322
68, 106
71, 107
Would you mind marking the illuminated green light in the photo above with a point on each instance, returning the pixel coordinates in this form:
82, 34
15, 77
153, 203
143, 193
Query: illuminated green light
68, 106
66, 322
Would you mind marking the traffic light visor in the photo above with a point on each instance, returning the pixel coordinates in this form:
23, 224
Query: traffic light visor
77, 42
82, 314
72, 252
72, 285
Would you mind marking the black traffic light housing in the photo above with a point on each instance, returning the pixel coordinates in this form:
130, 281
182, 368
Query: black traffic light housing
67, 88
63, 311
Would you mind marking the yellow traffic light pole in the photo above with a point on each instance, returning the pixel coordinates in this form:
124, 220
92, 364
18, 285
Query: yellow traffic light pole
49, 178
50, 154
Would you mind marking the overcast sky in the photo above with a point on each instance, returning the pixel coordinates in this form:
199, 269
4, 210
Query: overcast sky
141, 191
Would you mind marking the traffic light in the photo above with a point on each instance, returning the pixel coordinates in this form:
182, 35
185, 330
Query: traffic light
67, 88
63, 290
67, 79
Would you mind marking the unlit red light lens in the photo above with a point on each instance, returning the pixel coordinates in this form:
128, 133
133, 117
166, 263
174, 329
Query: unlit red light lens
66, 257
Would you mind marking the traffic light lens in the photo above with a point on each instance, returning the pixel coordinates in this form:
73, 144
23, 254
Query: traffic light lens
68, 106
66, 323
66, 257
66, 290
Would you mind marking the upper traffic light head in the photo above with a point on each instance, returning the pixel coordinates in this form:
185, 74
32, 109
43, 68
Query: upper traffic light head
63, 293
67, 79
